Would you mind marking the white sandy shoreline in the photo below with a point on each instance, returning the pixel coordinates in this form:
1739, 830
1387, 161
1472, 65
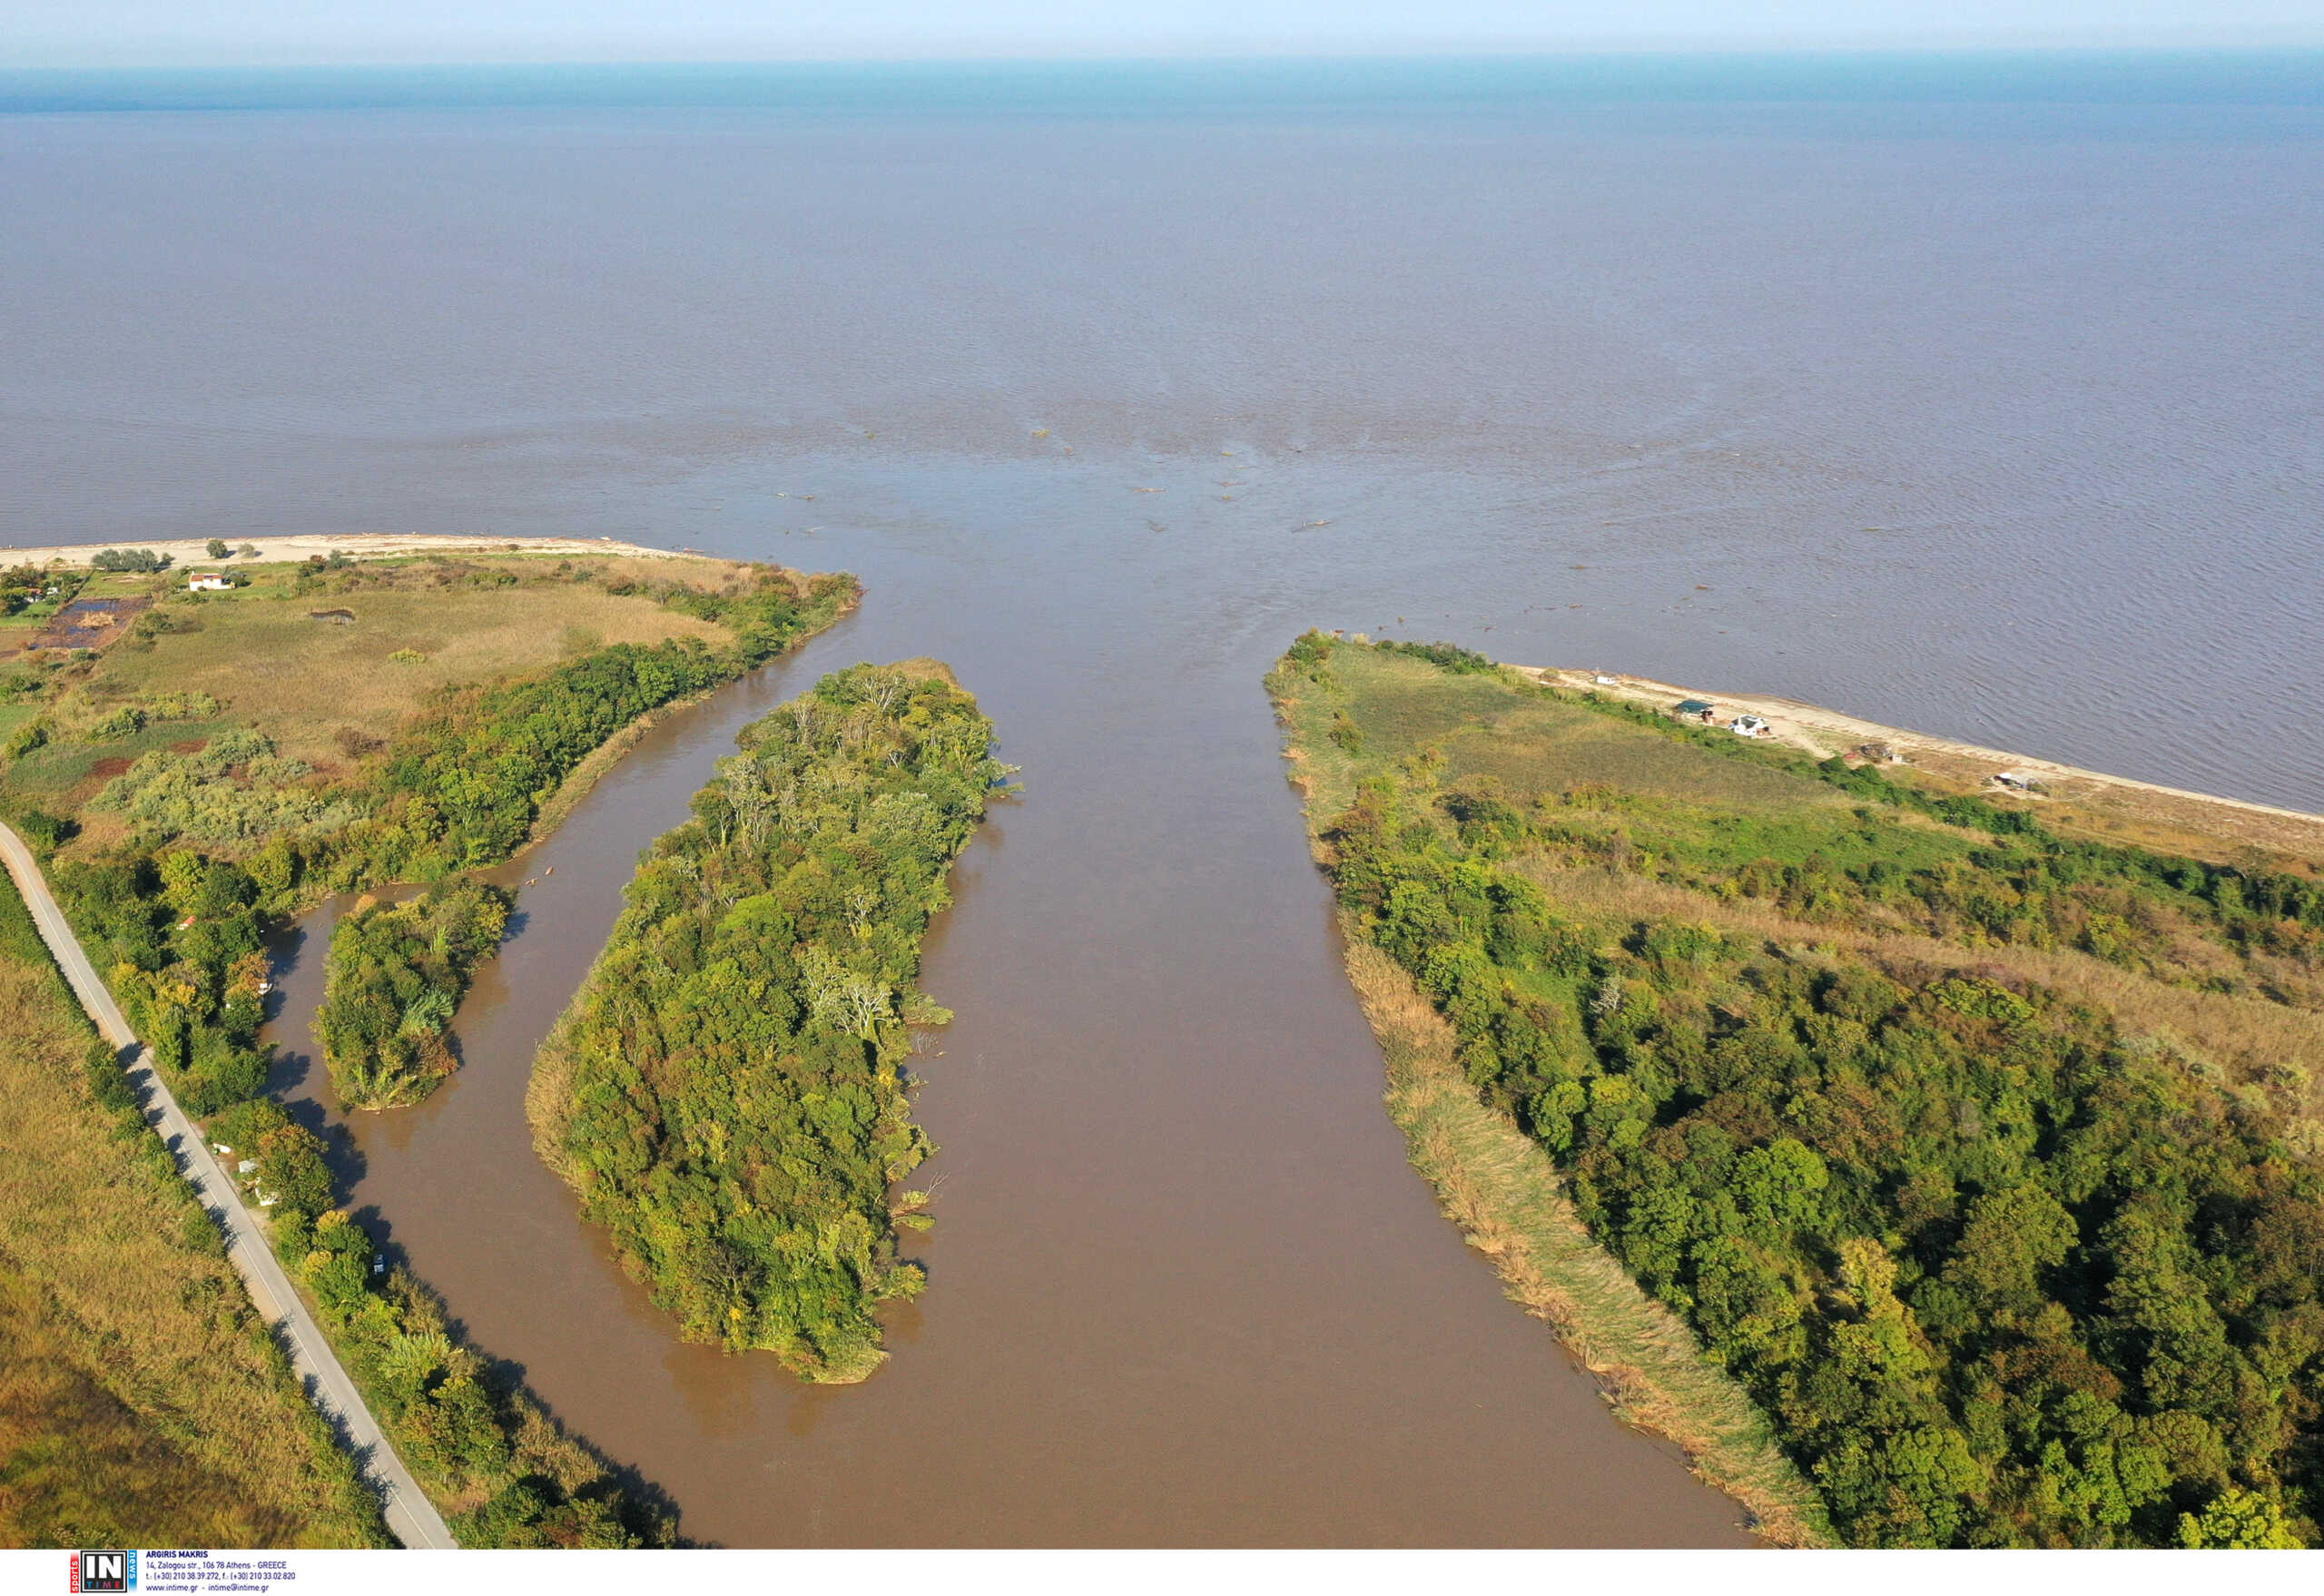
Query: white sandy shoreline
194, 551
1827, 732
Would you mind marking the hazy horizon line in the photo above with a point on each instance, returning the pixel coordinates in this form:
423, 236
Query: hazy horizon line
2249, 43
2119, 74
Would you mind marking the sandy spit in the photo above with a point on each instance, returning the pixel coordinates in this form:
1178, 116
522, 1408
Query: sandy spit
191, 552
1827, 732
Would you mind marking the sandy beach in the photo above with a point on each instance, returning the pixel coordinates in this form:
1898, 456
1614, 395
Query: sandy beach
194, 551
2123, 809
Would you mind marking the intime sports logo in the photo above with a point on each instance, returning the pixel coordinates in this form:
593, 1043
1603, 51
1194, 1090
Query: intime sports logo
105, 1570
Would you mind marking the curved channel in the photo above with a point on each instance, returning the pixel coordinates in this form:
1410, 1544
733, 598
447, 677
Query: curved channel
1185, 1288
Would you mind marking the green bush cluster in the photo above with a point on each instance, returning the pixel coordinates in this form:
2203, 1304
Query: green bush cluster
395, 977
182, 707
1451, 657
182, 935
727, 1092
26, 737
235, 788
122, 722
2000, 1274
139, 560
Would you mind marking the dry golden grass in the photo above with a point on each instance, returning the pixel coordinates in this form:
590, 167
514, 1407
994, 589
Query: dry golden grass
1503, 1192
141, 1400
300, 681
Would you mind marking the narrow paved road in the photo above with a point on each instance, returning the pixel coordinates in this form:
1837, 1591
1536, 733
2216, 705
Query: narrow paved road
409, 1514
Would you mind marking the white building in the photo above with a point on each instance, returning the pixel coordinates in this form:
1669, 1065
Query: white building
207, 582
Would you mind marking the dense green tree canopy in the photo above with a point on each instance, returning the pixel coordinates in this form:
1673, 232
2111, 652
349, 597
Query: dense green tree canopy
2003, 1269
727, 1092
396, 976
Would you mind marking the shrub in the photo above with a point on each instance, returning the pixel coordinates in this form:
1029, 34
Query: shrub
182, 707
130, 559
26, 737
124, 722
236, 788
396, 976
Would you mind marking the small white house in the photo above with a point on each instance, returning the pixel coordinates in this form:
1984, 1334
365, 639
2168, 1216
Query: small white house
207, 582
1751, 725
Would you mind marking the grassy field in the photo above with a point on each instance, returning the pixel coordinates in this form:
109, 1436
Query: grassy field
142, 1401
326, 663
320, 688
1933, 1177
1540, 745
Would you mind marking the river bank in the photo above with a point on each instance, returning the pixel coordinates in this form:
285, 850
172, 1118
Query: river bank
146, 1216
1505, 1194
1862, 1080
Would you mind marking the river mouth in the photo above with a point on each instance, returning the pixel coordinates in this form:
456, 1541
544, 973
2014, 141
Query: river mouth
1183, 1288
1105, 409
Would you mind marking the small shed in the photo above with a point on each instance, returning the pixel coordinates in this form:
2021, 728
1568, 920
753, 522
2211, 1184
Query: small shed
208, 582
1751, 725
1696, 709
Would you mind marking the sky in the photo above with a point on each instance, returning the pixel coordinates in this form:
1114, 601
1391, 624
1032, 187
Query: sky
173, 32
